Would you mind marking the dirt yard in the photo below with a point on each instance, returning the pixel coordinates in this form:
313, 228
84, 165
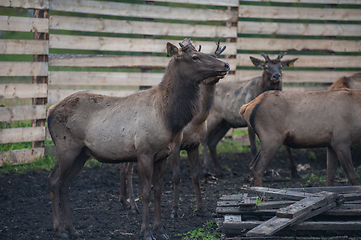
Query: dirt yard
25, 208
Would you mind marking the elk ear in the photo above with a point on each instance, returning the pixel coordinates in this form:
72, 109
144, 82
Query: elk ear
257, 62
289, 63
171, 50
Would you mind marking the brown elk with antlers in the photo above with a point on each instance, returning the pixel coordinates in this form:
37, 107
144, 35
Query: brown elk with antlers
230, 96
193, 134
144, 127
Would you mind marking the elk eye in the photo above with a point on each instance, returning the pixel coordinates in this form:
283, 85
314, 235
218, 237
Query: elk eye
195, 58
266, 67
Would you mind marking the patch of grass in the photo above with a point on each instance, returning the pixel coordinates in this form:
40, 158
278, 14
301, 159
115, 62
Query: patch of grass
46, 163
209, 232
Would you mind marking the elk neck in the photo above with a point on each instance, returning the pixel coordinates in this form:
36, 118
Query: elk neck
179, 98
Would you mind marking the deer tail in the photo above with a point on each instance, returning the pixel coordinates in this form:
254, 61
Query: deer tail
244, 108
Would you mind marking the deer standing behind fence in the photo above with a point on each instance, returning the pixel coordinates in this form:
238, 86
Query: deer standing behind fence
143, 127
230, 96
193, 134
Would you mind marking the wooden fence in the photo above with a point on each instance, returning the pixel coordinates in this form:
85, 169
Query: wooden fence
118, 47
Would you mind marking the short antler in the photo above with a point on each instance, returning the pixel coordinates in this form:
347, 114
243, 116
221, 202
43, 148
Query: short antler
281, 55
266, 56
219, 49
184, 47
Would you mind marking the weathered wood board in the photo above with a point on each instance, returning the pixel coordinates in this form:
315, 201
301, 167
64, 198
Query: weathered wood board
21, 156
18, 113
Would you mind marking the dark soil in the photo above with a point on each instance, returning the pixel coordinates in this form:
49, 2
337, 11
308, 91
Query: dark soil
25, 207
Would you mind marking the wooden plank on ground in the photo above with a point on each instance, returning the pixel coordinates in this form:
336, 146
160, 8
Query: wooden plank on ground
55, 96
23, 90
232, 3
36, 4
309, 61
233, 224
23, 46
270, 12
14, 135
302, 29
24, 24
276, 224
105, 78
310, 1
337, 189
24, 69
117, 61
19, 113
140, 27
345, 209
306, 205
298, 76
126, 44
279, 44
142, 11
285, 194
22, 156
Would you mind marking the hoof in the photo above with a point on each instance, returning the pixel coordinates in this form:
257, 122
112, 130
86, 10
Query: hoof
163, 236
204, 214
295, 175
64, 235
75, 234
174, 215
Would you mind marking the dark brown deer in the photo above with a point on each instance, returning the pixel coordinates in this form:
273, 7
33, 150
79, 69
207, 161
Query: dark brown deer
230, 96
144, 127
329, 119
193, 134
351, 82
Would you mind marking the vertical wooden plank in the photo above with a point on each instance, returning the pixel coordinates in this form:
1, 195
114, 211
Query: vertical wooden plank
43, 79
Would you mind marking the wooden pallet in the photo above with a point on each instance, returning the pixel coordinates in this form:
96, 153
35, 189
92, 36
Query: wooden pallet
295, 209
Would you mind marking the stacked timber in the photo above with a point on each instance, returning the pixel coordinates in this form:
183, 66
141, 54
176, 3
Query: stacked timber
265, 212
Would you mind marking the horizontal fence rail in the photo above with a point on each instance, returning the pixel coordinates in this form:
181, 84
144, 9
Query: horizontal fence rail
117, 48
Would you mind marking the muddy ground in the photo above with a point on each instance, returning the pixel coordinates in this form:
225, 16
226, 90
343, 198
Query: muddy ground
25, 207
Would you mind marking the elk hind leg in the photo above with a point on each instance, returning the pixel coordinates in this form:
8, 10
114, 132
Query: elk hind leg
76, 167
193, 162
126, 175
263, 158
218, 133
175, 160
56, 179
294, 173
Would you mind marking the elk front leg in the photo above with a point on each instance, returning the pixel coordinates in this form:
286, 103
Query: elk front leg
158, 176
145, 171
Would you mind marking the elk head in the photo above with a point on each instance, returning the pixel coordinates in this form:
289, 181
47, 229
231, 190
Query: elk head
272, 69
196, 65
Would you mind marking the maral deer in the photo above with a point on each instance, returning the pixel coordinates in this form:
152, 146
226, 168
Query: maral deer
351, 82
230, 96
143, 127
329, 119
193, 134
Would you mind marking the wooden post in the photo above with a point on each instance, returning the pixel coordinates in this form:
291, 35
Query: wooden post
36, 79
